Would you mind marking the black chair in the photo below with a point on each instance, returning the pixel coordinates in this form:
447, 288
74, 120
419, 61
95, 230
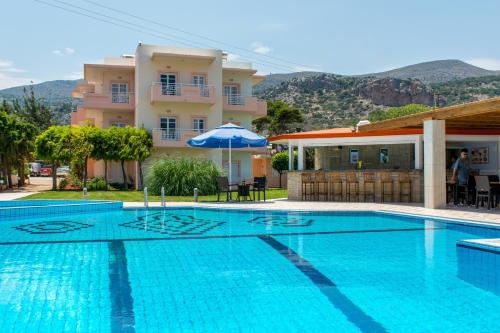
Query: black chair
223, 186
483, 190
259, 185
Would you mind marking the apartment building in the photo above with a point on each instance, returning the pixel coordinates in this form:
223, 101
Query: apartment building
176, 94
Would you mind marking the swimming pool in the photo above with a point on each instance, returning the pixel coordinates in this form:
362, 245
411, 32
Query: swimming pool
210, 270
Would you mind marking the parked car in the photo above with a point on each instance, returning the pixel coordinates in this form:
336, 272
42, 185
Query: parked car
46, 170
35, 169
62, 171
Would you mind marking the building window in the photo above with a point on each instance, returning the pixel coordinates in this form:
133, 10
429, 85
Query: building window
119, 124
199, 80
119, 92
384, 155
232, 94
199, 124
169, 84
354, 156
168, 127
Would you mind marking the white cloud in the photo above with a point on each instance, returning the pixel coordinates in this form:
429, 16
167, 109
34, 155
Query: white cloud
306, 69
486, 63
260, 48
8, 66
65, 51
73, 76
7, 80
10, 75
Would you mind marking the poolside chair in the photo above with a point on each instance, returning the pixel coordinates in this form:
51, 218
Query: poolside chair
335, 186
307, 186
352, 186
321, 184
223, 186
483, 190
259, 185
369, 186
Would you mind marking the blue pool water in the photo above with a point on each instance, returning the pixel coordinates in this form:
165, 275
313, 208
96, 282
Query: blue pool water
208, 270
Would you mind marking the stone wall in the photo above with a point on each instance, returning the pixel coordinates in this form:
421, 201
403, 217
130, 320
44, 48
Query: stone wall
401, 156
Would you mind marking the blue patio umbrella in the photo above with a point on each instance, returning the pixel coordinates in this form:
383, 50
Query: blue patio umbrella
228, 136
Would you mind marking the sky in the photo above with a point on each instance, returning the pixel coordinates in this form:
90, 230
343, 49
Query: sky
40, 42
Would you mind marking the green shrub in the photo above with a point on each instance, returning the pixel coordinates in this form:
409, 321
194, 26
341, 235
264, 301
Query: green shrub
97, 184
63, 183
180, 176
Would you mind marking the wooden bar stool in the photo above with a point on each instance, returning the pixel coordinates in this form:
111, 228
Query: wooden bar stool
321, 184
387, 186
405, 186
335, 186
307, 186
369, 178
352, 186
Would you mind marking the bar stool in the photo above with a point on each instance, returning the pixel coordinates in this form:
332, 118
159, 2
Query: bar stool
335, 186
352, 186
387, 186
369, 185
307, 184
405, 186
321, 184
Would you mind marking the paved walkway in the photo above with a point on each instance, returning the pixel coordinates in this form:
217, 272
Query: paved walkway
469, 214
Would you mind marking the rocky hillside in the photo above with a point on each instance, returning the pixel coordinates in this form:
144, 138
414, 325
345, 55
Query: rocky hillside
54, 92
438, 71
329, 100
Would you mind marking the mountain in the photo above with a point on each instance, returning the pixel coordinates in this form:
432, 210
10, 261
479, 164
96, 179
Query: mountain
330, 100
54, 92
436, 71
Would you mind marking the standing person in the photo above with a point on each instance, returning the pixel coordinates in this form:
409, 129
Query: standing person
461, 170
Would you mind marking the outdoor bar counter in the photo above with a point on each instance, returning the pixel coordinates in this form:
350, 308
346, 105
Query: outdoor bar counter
378, 185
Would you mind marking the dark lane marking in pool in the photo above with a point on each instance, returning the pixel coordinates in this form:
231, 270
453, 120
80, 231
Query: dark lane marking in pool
215, 236
120, 292
353, 313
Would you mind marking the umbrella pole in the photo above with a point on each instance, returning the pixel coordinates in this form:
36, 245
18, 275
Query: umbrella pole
230, 166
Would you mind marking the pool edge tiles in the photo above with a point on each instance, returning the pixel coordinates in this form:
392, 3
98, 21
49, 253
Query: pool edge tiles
354, 314
35, 208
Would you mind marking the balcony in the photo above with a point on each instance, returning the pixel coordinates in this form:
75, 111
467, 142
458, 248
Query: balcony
110, 101
181, 92
250, 104
167, 138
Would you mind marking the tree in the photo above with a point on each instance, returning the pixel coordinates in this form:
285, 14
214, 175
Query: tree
398, 112
16, 144
82, 147
139, 144
54, 145
103, 149
281, 118
118, 139
279, 162
33, 110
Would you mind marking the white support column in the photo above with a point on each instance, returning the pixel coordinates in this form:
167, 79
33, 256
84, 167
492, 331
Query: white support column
290, 156
300, 156
434, 164
419, 153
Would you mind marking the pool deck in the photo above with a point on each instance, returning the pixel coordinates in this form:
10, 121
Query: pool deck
456, 213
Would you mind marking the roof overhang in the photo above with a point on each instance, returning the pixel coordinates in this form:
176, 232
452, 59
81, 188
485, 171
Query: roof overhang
378, 137
87, 67
183, 57
249, 71
481, 115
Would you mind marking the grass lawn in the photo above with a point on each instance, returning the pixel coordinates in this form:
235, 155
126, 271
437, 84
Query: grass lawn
272, 193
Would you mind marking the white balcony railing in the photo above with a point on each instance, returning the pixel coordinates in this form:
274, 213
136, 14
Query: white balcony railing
235, 99
169, 89
167, 134
121, 97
